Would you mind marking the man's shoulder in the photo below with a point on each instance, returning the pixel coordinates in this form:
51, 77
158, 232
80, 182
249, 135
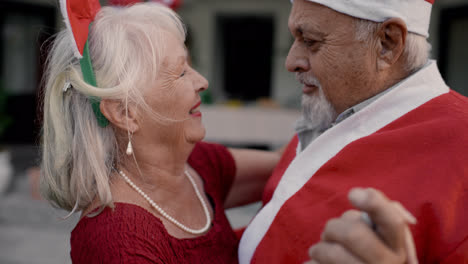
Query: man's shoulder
447, 113
451, 106
433, 132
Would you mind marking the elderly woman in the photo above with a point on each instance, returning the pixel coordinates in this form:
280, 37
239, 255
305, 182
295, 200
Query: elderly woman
148, 189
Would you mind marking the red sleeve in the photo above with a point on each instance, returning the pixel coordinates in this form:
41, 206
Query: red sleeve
215, 165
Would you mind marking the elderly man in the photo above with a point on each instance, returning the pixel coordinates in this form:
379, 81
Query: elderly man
376, 114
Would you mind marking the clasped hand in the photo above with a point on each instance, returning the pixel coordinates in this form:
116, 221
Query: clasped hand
349, 239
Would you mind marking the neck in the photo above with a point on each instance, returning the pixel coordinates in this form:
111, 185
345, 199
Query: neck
396, 74
158, 166
388, 79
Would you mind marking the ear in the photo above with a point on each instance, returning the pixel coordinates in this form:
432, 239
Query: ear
392, 39
115, 112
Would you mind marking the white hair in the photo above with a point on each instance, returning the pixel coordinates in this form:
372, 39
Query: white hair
126, 48
317, 111
417, 49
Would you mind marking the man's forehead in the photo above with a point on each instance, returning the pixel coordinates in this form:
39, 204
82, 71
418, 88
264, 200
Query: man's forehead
301, 21
415, 13
304, 24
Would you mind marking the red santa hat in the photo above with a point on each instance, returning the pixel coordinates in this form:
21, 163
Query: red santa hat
415, 13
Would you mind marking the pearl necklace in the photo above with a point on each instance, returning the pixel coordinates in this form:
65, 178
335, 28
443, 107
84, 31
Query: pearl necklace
168, 217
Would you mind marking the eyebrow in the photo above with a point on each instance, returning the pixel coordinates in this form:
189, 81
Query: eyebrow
181, 60
310, 29
174, 66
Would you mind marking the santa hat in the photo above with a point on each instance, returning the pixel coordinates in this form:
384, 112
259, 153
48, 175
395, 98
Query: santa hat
415, 13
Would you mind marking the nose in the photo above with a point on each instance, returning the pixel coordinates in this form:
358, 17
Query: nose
201, 82
297, 60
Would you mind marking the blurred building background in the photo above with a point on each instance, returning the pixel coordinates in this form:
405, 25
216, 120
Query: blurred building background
239, 46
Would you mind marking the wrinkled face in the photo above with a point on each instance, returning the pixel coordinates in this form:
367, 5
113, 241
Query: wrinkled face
175, 95
325, 49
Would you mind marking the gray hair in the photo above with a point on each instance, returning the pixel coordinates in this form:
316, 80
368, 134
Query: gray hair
417, 49
126, 47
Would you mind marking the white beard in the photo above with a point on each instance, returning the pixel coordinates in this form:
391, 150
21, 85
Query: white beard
317, 111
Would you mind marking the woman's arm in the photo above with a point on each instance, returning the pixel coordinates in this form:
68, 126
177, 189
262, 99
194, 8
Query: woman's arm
254, 167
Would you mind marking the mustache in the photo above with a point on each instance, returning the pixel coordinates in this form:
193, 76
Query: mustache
307, 79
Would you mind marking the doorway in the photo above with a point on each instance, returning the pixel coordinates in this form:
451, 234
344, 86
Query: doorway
246, 48
453, 54
24, 28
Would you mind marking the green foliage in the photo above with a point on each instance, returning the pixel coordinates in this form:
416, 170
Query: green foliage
206, 97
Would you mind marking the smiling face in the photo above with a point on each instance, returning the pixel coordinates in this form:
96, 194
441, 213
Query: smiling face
325, 47
175, 96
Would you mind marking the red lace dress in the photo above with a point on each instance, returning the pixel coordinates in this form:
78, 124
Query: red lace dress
130, 234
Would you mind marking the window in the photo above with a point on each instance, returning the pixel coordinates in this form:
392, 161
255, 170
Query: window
453, 53
245, 50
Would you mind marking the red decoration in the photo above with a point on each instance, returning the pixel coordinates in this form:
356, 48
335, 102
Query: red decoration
123, 2
173, 4
78, 16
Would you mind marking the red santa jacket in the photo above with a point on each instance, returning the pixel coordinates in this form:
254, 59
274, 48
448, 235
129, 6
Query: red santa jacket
412, 144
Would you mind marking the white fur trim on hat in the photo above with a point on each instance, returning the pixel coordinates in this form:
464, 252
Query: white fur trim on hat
415, 13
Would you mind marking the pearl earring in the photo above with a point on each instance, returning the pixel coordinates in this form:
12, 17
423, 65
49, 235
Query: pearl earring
129, 146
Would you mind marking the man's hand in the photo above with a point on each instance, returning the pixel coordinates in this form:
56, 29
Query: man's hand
349, 239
